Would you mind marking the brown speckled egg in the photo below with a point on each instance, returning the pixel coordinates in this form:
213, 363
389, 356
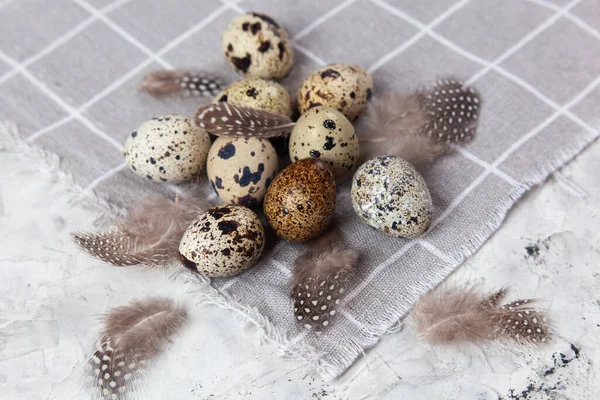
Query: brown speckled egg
300, 202
389, 194
223, 241
256, 46
240, 169
325, 133
347, 88
257, 93
169, 149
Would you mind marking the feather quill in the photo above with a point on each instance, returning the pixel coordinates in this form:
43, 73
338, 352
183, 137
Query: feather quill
149, 235
166, 82
131, 337
319, 280
224, 119
419, 126
454, 315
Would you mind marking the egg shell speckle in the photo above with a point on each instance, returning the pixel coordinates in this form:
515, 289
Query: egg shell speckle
223, 241
325, 133
391, 196
347, 88
241, 169
301, 200
257, 93
168, 149
255, 45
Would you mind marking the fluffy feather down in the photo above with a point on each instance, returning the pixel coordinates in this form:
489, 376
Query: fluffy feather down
392, 126
149, 235
319, 280
454, 315
131, 337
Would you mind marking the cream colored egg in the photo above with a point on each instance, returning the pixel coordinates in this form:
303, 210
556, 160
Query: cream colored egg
256, 46
390, 195
345, 87
170, 149
258, 93
325, 133
223, 241
241, 169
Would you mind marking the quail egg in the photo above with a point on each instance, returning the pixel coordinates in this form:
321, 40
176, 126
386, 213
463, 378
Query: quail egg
168, 149
347, 88
325, 133
257, 46
301, 200
223, 241
257, 93
390, 195
241, 169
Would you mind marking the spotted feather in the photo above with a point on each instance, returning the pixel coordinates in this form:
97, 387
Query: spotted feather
185, 82
520, 322
452, 315
149, 235
319, 281
452, 112
224, 119
132, 336
121, 249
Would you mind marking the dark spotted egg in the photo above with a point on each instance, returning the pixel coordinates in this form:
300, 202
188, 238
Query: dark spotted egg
345, 87
257, 93
240, 169
301, 200
255, 45
325, 133
223, 241
390, 195
170, 149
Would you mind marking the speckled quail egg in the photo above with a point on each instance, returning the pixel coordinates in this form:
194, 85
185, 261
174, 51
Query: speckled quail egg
241, 169
258, 93
256, 46
301, 200
169, 149
325, 133
389, 194
223, 241
347, 88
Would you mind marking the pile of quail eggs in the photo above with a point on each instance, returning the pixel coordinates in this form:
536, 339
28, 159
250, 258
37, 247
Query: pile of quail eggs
387, 193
